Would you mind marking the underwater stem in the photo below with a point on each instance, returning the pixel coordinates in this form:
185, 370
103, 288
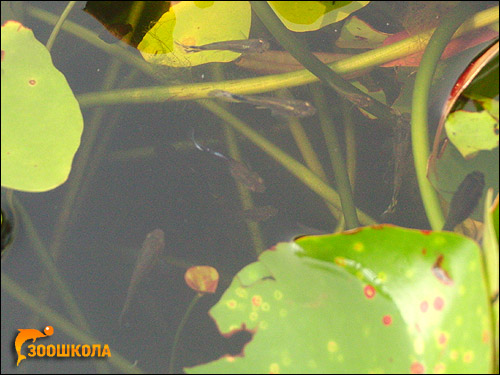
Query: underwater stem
419, 124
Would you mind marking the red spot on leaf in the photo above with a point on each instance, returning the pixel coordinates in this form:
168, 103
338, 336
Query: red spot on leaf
424, 305
424, 251
387, 320
417, 368
425, 231
442, 339
486, 336
32, 82
369, 291
438, 303
256, 300
3, 54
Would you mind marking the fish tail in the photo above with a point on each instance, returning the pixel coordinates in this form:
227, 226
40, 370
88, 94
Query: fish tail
20, 357
189, 49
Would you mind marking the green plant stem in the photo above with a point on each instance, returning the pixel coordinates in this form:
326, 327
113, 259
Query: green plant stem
245, 196
339, 167
325, 74
60, 22
301, 53
308, 153
302, 173
183, 322
419, 122
18, 293
244, 86
50, 267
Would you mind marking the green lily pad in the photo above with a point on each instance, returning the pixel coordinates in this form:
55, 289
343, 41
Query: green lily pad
471, 132
195, 23
378, 299
41, 119
313, 15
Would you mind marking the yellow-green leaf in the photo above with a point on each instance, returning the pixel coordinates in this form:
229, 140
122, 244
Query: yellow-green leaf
313, 15
196, 23
41, 119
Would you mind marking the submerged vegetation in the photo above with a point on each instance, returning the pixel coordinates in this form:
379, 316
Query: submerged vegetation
342, 146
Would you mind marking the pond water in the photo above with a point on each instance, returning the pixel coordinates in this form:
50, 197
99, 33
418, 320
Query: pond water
142, 172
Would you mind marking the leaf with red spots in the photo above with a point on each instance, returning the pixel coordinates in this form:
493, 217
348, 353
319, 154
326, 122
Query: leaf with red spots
361, 302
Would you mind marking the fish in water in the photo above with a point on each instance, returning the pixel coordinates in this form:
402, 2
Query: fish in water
465, 199
240, 46
401, 155
278, 106
239, 171
148, 256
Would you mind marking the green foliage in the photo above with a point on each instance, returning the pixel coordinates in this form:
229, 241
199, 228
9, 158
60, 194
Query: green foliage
378, 299
192, 23
313, 15
41, 119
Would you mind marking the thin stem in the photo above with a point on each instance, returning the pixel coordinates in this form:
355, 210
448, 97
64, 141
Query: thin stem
308, 153
183, 322
21, 295
339, 167
244, 86
60, 22
419, 127
301, 172
301, 53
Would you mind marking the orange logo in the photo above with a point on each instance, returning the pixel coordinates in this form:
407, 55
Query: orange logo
29, 334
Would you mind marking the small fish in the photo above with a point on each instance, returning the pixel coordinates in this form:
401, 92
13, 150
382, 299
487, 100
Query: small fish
401, 155
29, 334
148, 256
465, 199
278, 106
238, 170
240, 46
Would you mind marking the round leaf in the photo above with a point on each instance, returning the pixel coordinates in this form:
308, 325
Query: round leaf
41, 119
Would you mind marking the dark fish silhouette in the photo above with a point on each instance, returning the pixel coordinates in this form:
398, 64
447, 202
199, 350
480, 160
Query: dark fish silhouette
239, 171
401, 152
151, 249
465, 199
241, 46
278, 106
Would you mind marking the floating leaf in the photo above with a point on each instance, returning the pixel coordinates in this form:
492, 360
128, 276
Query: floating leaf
41, 119
471, 132
195, 23
203, 279
313, 15
322, 305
